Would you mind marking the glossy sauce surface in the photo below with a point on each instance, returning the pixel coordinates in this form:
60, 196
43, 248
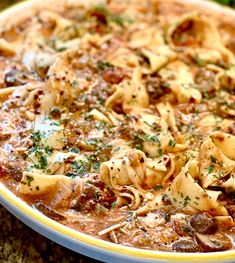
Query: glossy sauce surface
117, 120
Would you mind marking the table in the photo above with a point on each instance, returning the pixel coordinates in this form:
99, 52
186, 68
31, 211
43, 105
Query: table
20, 244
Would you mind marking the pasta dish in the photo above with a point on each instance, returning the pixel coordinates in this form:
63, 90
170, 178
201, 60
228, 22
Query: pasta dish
117, 119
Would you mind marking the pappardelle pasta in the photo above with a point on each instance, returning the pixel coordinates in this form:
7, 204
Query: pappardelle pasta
117, 119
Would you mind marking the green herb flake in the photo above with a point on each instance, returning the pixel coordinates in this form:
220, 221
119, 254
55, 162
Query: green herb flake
29, 179
186, 200
213, 159
36, 137
91, 142
80, 167
74, 150
96, 166
165, 197
103, 65
48, 149
151, 138
120, 20
74, 84
96, 195
113, 204
42, 162
158, 187
101, 125
101, 8
171, 143
167, 216
210, 169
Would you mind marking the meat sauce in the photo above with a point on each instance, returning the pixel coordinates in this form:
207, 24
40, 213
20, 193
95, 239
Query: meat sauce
88, 204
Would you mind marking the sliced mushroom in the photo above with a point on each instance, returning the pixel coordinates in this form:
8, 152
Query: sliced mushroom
182, 228
203, 223
47, 211
185, 245
218, 242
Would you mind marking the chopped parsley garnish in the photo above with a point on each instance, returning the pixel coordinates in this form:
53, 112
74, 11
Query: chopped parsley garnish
171, 143
101, 8
113, 204
48, 149
41, 158
91, 142
165, 197
158, 187
103, 15
167, 216
101, 125
74, 84
103, 65
74, 150
120, 20
96, 166
186, 200
42, 162
210, 169
80, 167
151, 138
36, 137
40, 152
139, 139
96, 195
29, 179
213, 159
87, 116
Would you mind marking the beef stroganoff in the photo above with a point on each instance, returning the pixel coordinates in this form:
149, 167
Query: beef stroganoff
118, 120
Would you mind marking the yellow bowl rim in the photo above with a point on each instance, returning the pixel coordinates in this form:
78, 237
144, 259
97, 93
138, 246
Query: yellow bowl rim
88, 240
140, 254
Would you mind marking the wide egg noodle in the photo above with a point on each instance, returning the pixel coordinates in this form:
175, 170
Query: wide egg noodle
59, 88
203, 41
121, 114
191, 194
179, 79
36, 184
219, 164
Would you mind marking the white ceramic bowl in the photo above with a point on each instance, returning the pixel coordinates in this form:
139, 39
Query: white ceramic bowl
82, 243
